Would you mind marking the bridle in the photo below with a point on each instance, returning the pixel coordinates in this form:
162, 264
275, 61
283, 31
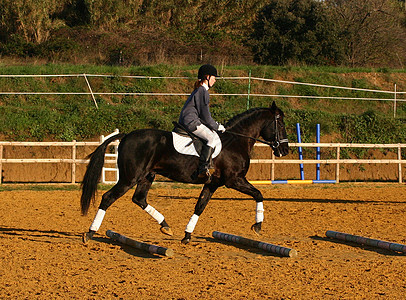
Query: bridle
275, 144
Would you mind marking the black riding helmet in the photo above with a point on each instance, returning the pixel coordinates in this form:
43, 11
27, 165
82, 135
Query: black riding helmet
207, 70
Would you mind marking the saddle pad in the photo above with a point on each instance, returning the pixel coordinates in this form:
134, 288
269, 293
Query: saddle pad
184, 145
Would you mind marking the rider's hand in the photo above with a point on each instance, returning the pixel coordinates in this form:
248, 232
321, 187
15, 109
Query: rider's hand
221, 128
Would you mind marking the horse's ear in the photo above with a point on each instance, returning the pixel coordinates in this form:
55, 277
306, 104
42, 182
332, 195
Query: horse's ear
273, 106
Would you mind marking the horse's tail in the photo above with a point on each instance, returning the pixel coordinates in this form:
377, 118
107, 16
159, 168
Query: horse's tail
93, 173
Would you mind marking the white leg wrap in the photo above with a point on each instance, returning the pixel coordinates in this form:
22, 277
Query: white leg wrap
154, 213
98, 219
192, 223
259, 216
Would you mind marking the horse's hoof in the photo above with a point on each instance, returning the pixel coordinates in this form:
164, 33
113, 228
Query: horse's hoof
256, 228
166, 230
187, 238
185, 241
87, 236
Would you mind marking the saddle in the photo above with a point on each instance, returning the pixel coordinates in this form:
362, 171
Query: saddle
185, 142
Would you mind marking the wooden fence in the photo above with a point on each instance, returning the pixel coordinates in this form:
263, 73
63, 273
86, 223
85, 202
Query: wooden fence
74, 160
337, 161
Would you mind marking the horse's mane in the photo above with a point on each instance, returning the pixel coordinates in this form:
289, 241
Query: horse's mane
245, 116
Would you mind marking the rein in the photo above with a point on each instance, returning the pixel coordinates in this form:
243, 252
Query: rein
275, 144
252, 138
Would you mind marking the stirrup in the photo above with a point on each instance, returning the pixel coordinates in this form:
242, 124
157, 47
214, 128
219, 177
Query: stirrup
204, 176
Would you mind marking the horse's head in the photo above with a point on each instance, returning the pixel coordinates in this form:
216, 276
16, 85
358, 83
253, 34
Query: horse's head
274, 132
265, 122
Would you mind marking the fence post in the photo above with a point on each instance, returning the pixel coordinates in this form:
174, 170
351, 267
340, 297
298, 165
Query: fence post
91, 91
1, 164
394, 104
249, 90
73, 162
273, 166
115, 155
338, 165
400, 163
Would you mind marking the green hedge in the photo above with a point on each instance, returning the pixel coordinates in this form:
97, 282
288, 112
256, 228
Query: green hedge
64, 118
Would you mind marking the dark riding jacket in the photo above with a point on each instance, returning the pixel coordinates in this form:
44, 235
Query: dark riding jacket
196, 111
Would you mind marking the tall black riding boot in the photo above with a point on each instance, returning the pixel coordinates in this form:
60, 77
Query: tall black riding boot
204, 163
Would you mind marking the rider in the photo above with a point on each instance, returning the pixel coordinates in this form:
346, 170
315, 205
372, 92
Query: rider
195, 117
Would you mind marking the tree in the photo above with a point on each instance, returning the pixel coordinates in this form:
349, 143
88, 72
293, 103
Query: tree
371, 31
109, 14
300, 31
31, 19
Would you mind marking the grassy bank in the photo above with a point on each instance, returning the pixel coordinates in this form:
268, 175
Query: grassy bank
68, 117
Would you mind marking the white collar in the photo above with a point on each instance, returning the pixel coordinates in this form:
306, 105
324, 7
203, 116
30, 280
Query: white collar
205, 86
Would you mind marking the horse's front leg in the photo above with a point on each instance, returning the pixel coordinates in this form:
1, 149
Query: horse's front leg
242, 185
201, 204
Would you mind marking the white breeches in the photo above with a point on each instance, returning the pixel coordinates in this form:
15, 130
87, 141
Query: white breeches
205, 133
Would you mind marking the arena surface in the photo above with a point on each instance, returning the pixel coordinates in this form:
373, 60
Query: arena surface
42, 256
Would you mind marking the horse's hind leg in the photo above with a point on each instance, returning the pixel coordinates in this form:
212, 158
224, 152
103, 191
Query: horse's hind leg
140, 198
107, 200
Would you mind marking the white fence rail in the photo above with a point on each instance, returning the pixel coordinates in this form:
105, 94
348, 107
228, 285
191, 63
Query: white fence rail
74, 160
337, 161
113, 155
392, 96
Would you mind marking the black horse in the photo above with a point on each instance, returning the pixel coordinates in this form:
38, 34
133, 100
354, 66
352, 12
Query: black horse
146, 152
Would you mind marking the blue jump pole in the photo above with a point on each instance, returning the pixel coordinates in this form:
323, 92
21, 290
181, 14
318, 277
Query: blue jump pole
299, 140
318, 151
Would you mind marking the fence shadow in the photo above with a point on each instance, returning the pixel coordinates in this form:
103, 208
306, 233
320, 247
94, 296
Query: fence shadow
37, 235
36, 232
299, 200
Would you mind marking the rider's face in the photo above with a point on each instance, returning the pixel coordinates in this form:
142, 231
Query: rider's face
211, 80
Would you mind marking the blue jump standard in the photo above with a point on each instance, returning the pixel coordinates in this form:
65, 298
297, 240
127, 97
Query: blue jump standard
305, 181
291, 181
